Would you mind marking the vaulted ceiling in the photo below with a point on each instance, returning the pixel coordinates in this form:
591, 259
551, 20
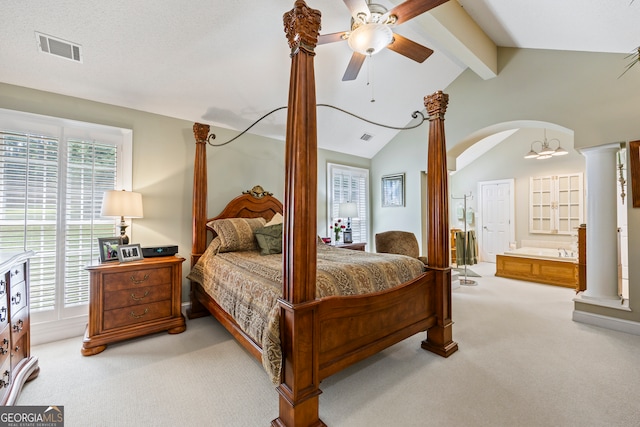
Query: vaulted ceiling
227, 62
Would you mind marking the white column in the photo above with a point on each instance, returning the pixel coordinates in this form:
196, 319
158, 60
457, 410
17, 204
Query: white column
602, 226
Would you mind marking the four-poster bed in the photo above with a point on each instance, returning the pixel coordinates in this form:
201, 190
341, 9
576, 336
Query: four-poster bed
321, 336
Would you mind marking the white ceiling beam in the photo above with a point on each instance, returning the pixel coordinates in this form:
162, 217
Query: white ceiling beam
456, 32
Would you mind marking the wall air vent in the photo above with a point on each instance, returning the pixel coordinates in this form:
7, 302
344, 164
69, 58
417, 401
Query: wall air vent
58, 47
366, 137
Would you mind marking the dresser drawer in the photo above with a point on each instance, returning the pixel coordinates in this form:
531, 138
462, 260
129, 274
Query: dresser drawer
16, 274
18, 352
5, 378
4, 311
19, 324
138, 296
137, 314
18, 299
133, 279
5, 343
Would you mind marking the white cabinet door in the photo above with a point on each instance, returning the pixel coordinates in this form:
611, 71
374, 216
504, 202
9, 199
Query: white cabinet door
555, 203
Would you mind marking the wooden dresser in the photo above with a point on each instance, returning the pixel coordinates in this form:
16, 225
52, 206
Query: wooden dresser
132, 299
17, 364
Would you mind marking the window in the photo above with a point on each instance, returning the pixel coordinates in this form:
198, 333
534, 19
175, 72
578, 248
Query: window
53, 173
556, 204
349, 184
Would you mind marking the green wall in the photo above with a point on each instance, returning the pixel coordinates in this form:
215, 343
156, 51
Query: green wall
163, 156
579, 91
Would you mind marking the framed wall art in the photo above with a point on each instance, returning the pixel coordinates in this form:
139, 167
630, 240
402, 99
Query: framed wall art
393, 190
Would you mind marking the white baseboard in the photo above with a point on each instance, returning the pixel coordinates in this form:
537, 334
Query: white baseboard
607, 322
42, 333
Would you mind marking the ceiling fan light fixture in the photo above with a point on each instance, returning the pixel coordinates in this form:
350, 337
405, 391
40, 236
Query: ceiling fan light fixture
369, 39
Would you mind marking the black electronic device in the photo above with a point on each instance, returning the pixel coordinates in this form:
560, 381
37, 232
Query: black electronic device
151, 251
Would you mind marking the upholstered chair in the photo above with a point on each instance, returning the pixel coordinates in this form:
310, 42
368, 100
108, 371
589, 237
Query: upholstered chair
399, 242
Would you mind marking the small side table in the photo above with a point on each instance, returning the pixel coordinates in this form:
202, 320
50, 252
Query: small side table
133, 299
354, 246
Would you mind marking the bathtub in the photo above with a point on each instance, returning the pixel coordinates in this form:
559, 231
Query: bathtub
541, 265
564, 255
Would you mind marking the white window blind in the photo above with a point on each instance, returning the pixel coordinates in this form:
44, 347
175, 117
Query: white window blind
349, 184
53, 173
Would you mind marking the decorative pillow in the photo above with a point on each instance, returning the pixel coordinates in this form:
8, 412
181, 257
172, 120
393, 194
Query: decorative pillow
277, 219
236, 234
270, 239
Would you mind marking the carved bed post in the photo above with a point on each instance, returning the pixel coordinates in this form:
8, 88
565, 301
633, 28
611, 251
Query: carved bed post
199, 208
299, 389
439, 337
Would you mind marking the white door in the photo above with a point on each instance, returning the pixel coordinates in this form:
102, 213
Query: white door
496, 217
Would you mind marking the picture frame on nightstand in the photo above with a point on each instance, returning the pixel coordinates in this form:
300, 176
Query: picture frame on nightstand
128, 253
108, 248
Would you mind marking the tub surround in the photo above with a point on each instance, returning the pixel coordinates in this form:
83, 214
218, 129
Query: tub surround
548, 262
559, 271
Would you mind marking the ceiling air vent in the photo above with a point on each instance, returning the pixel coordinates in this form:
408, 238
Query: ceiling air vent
58, 47
366, 137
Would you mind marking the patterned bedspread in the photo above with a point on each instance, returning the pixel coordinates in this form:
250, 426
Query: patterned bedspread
247, 285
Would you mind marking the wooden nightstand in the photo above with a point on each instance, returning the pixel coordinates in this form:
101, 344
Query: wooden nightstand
132, 299
354, 246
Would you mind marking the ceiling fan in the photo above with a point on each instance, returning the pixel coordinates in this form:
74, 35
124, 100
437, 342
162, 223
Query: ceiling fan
371, 31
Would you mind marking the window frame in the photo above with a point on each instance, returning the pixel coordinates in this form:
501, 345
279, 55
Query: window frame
364, 202
67, 131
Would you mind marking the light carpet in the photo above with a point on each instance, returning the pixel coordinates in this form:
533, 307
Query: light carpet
522, 362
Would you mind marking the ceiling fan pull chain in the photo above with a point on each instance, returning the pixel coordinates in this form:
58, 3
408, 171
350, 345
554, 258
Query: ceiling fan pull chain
370, 76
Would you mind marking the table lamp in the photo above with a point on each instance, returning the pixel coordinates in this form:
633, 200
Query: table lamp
120, 204
348, 210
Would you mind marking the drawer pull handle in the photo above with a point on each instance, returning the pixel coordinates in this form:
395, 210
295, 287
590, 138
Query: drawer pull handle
3, 383
16, 298
138, 281
18, 326
15, 273
3, 314
5, 346
135, 298
3, 287
139, 316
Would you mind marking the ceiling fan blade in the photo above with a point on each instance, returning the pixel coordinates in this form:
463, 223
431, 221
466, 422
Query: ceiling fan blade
332, 37
409, 48
357, 6
357, 59
412, 8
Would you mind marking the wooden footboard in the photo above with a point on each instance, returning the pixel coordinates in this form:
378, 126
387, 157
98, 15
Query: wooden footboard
351, 328
356, 327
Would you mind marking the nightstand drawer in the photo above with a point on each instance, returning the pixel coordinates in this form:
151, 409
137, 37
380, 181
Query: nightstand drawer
138, 314
136, 278
138, 296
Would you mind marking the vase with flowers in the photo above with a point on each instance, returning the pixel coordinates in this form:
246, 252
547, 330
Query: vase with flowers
337, 229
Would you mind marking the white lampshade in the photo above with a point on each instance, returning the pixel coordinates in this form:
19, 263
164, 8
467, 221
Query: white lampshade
122, 203
348, 210
369, 39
